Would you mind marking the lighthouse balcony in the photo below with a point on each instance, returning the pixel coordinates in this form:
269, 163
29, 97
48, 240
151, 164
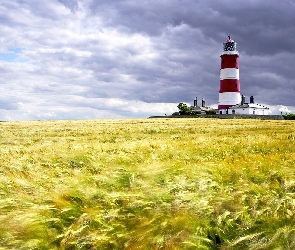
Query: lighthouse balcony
228, 52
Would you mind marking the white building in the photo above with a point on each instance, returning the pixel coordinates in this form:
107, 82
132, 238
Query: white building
245, 109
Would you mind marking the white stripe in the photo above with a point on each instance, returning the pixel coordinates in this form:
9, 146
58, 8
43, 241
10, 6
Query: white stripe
229, 98
229, 73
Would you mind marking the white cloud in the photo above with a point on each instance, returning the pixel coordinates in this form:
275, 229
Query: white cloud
86, 108
280, 109
103, 59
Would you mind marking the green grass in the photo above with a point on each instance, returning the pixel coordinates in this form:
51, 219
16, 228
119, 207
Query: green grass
147, 184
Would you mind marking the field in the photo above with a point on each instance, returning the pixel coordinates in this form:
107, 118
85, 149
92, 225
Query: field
147, 184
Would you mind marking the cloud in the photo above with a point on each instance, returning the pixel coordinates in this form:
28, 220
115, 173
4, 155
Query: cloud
280, 109
74, 107
93, 59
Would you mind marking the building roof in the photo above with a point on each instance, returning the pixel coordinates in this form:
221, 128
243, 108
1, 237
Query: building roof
248, 105
198, 108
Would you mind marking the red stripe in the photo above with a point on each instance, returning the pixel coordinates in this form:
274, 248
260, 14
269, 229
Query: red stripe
229, 85
229, 61
224, 106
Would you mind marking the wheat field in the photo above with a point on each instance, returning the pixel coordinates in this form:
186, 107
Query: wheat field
147, 184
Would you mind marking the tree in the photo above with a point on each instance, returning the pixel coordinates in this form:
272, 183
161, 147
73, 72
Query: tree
289, 116
183, 109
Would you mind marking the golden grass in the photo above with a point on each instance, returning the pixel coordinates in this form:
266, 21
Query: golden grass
147, 184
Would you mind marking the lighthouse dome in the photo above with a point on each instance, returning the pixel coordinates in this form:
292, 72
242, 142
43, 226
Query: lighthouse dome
230, 46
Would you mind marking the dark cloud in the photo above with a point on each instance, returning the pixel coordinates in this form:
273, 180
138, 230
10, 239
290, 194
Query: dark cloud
124, 58
71, 4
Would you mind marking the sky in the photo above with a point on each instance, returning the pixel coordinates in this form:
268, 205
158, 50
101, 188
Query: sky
105, 59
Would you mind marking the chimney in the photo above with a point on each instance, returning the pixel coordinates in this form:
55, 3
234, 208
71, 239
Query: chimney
251, 99
203, 102
243, 100
196, 102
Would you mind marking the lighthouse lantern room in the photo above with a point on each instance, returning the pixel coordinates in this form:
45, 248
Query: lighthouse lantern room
229, 92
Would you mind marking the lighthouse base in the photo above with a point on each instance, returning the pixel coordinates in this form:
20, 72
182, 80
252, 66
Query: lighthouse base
228, 99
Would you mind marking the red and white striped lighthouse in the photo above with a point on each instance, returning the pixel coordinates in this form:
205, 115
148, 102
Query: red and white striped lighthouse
229, 92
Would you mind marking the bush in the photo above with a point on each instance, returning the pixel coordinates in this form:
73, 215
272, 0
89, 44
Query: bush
211, 112
289, 116
195, 112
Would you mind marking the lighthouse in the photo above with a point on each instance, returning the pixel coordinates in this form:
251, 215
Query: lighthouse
229, 92
231, 102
